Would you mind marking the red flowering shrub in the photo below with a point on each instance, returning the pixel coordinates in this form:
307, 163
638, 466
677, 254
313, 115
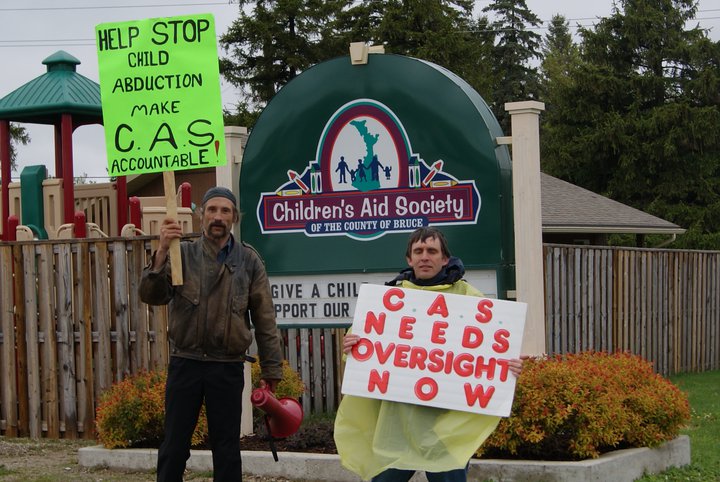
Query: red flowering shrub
578, 406
131, 413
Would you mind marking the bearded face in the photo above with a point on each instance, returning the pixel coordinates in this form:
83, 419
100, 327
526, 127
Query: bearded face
218, 217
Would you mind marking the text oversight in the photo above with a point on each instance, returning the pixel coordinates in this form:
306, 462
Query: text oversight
435, 359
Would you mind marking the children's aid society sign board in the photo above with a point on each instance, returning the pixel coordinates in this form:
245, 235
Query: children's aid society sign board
436, 349
160, 90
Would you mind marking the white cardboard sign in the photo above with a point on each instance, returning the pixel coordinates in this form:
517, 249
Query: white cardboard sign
436, 349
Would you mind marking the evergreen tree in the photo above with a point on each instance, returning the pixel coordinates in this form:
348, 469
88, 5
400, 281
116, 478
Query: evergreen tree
517, 46
440, 31
559, 52
560, 56
435, 30
637, 119
275, 41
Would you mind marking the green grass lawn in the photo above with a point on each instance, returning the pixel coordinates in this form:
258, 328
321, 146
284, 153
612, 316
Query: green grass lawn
703, 390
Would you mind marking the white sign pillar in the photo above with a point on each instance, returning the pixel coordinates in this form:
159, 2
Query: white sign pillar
525, 127
229, 176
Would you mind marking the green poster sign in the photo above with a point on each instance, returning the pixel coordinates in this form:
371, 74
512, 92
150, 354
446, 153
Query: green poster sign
160, 90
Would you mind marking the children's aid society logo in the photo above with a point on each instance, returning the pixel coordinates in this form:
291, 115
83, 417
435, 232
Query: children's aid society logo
367, 181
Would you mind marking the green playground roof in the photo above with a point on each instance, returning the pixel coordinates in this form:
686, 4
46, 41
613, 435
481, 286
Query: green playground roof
61, 90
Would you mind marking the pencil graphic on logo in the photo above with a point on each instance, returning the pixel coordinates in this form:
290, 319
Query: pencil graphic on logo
443, 183
290, 192
437, 165
296, 178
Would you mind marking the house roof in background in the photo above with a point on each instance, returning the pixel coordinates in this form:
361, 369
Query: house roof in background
569, 208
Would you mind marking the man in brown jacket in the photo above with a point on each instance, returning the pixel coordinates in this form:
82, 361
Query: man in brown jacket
225, 286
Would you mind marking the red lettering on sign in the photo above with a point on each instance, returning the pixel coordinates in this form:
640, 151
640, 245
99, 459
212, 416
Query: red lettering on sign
436, 360
388, 299
373, 322
463, 364
504, 369
478, 395
401, 356
384, 355
378, 381
406, 327
438, 307
472, 337
438, 332
426, 389
418, 355
484, 313
449, 357
501, 344
488, 368
357, 348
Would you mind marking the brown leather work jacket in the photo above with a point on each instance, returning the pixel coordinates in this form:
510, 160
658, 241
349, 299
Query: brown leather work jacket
211, 312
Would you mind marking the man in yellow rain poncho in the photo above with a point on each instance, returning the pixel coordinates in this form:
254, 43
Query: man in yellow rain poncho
388, 441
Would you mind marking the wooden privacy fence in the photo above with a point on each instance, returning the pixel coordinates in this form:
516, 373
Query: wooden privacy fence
663, 305
72, 324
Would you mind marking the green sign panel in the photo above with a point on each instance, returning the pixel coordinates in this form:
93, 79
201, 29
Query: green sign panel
347, 160
160, 90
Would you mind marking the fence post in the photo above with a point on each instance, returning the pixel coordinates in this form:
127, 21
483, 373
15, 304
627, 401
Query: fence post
80, 229
135, 212
185, 195
122, 202
13, 222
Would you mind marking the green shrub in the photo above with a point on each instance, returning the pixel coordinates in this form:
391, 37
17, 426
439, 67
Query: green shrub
578, 406
131, 413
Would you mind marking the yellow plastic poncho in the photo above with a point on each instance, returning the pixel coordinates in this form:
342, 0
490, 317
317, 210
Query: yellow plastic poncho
373, 435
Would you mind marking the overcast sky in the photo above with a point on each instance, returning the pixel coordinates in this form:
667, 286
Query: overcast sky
32, 30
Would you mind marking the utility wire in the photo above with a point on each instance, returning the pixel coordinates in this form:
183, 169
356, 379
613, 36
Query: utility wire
105, 7
25, 43
88, 42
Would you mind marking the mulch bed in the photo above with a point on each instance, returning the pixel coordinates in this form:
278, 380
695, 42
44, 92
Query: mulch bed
315, 438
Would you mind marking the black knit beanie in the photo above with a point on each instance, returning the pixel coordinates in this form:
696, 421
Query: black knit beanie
219, 191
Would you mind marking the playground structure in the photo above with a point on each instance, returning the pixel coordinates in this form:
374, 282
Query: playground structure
36, 203
39, 207
96, 209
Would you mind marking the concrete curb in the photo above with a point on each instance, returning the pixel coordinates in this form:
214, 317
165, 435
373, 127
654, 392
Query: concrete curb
618, 466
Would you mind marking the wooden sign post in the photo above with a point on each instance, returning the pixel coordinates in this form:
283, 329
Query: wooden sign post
171, 209
162, 108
